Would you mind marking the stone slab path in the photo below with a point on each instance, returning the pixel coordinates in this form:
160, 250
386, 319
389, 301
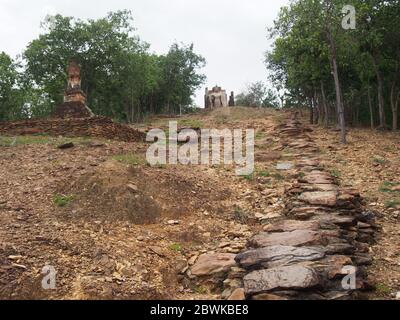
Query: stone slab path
319, 249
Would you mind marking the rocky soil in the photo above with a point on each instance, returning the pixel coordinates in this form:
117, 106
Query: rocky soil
114, 227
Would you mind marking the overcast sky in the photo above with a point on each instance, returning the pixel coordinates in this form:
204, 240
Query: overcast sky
230, 34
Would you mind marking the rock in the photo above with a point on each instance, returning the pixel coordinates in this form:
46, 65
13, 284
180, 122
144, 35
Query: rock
324, 187
397, 297
335, 265
181, 266
291, 225
292, 238
66, 145
268, 296
341, 221
157, 250
316, 178
396, 188
173, 222
284, 166
274, 256
192, 259
132, 187
268, 156
326, 198
226, 293
288, 277
237, 295
208, 264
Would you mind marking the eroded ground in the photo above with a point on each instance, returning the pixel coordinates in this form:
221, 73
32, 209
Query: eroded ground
114, 227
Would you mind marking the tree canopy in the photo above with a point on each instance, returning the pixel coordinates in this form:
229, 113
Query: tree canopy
331, 68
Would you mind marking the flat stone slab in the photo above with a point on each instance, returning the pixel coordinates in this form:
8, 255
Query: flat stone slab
291, 225
291, 238
317, 178
275, 256
208, 264
281, 278
326, 198
284, 166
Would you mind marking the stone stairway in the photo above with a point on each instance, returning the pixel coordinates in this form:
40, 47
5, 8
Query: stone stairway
320, 248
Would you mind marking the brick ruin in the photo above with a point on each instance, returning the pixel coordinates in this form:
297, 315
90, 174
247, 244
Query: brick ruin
74, 105
217, 98
73, 118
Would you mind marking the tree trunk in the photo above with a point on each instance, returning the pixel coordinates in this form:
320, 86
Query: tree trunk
316, 107
324, 105
394, 99
311, 110
381, 99
371, 111
339, 103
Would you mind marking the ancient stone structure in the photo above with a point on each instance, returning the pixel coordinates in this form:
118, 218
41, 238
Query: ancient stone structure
74, 105
101, 127
215, 98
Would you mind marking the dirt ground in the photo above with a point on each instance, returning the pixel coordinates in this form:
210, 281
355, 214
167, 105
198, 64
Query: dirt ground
370, 162
113, 227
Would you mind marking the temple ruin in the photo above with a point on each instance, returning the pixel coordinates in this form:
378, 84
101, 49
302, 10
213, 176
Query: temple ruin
216, 98
74, 105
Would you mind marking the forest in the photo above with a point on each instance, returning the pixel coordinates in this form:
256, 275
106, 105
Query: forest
121, 77
341, 62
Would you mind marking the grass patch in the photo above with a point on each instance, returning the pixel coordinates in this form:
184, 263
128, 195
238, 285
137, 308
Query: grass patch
129, 158
392, 203
193, 123
176, 247
263, 173
383, 288
6, 141
23, 140
62, 200
248, 177
387, 186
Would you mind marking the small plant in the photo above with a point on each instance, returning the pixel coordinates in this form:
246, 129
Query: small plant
200, 290
379, 160
259, 135
62, 200
301, 175
239, 215
382, 288
176, 247
335, 173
